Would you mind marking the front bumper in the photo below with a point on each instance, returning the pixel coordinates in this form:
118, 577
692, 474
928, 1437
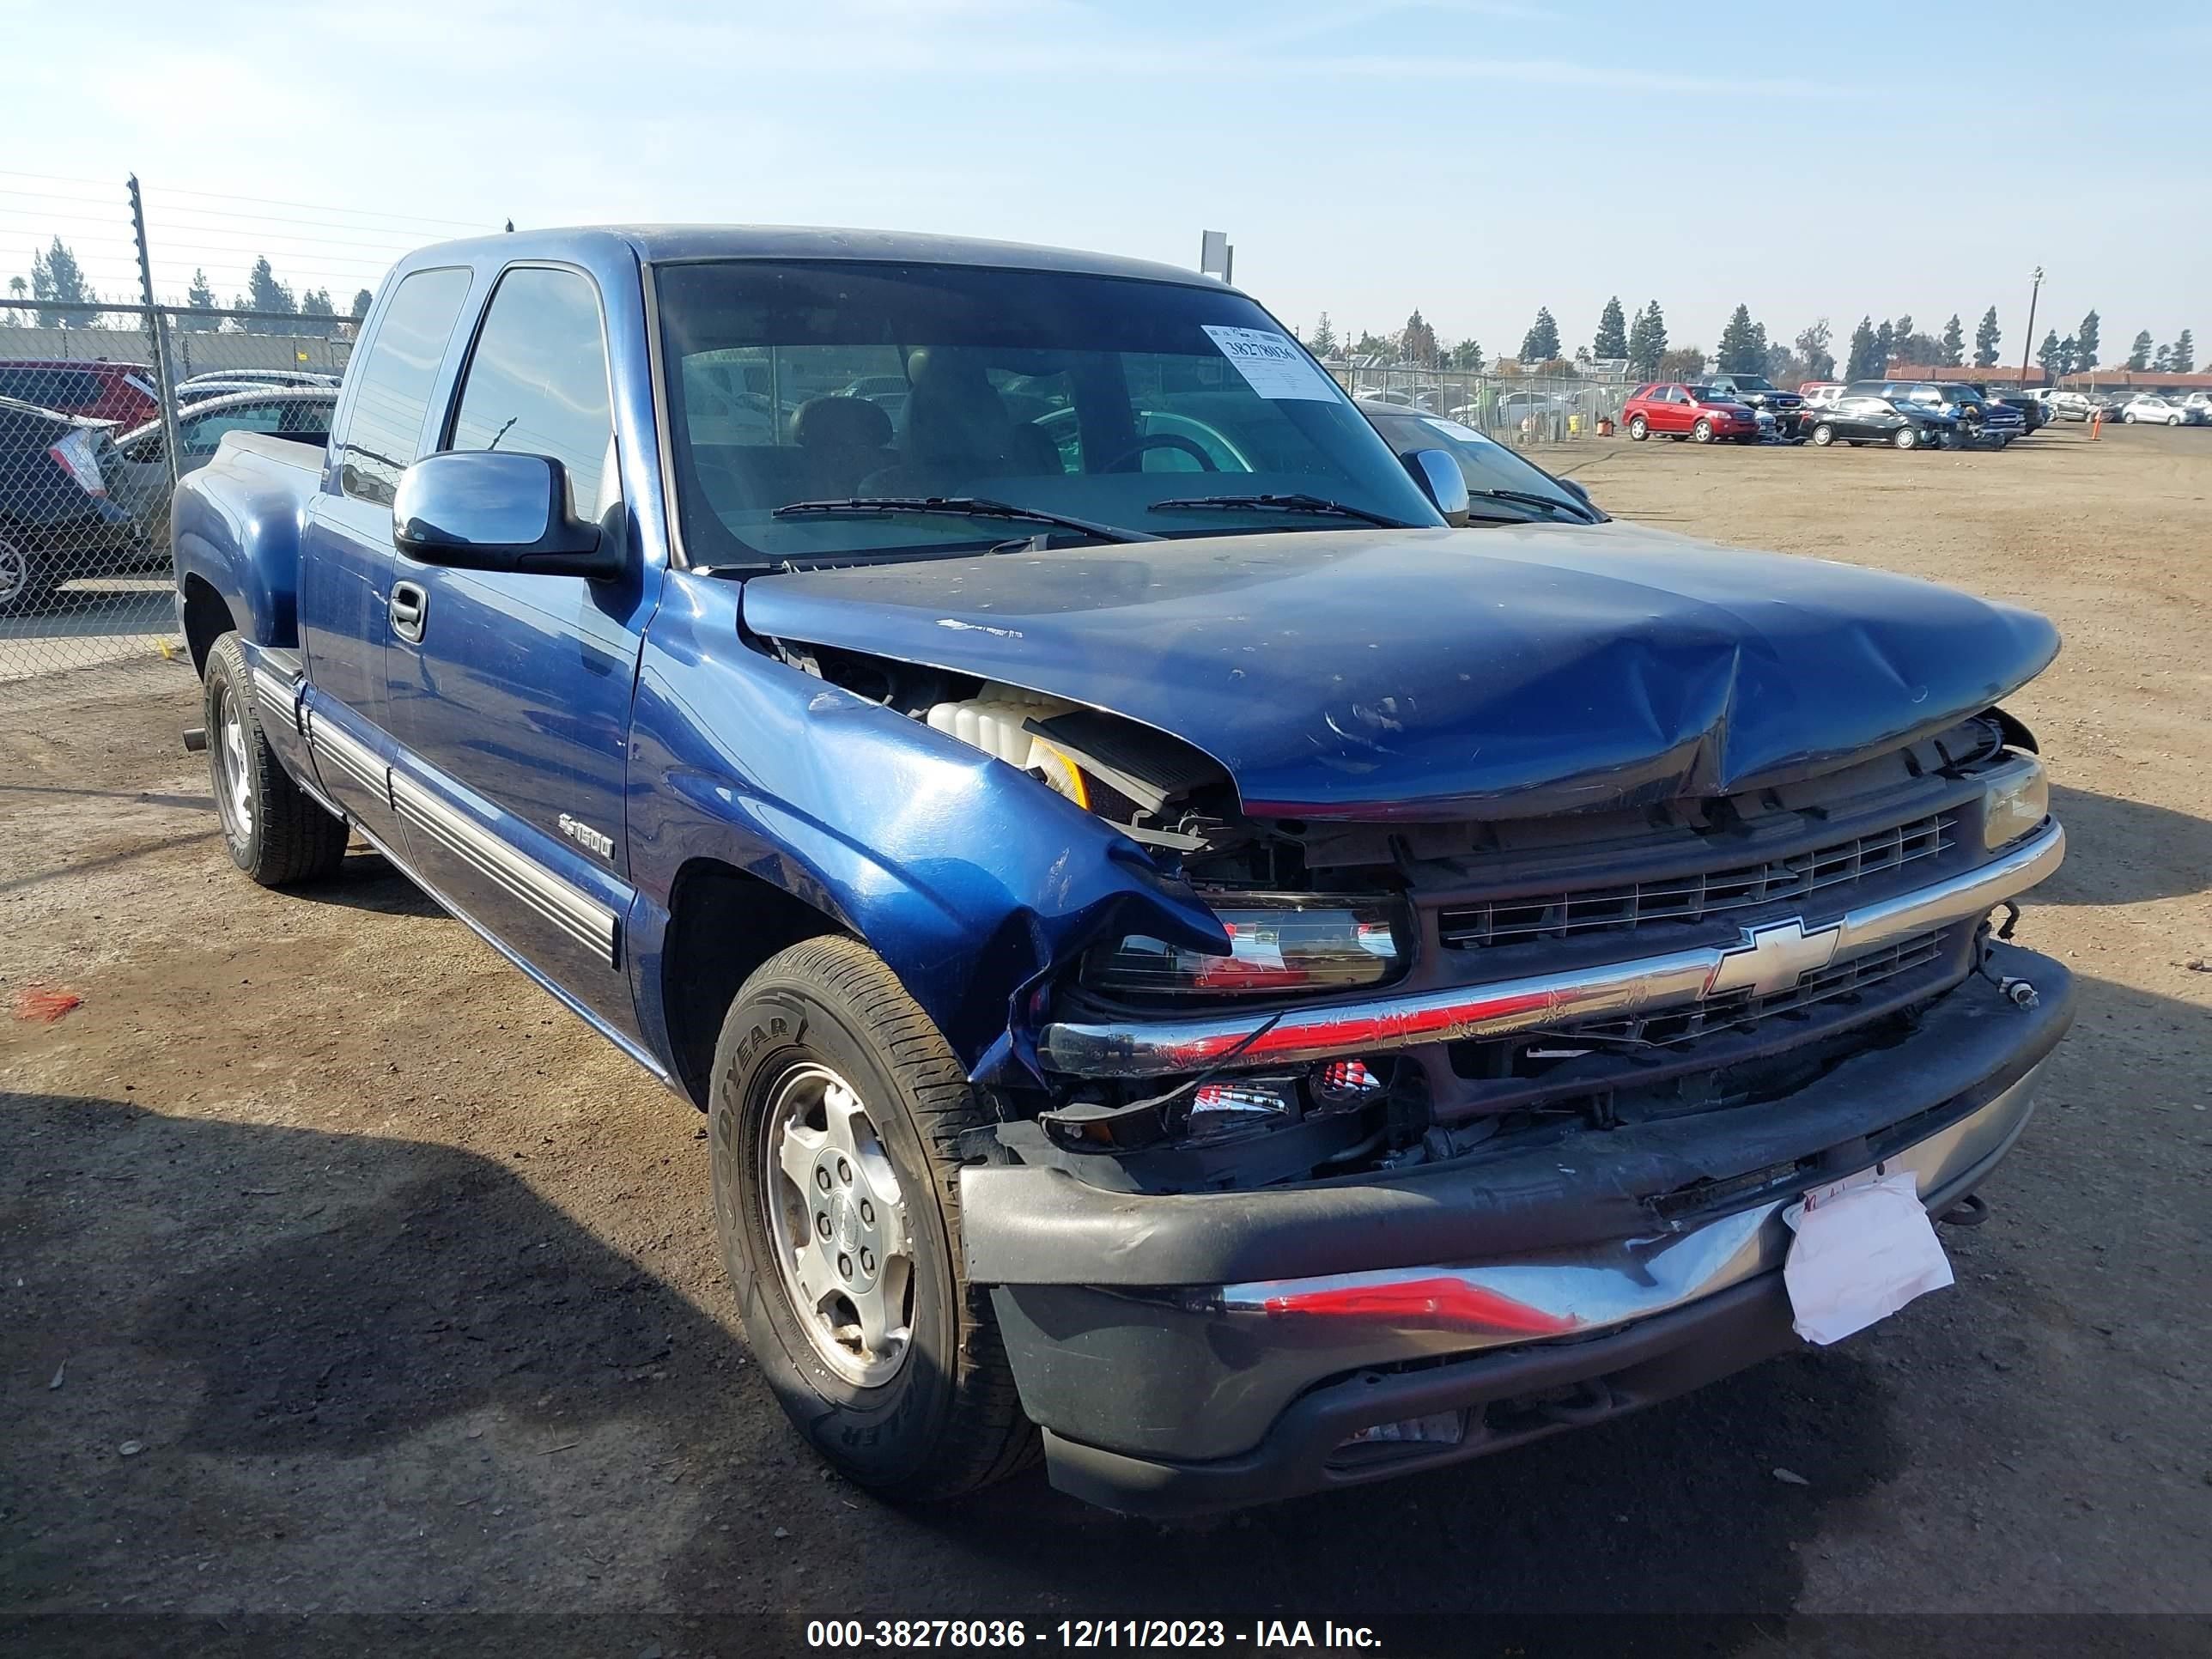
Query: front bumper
1197, 1352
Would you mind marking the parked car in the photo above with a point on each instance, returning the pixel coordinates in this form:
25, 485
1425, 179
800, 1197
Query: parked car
1502, 484
1859, 417
57, 521
2149, 408
1225, 972
2029, 406
2062, 405
2201, 402
99, 390
1788, 408
1978, 419
139, 478
1678, 411
306, 377
1821, 394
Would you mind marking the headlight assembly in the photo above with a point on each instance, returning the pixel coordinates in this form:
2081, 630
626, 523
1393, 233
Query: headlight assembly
2014, 805
1278, 942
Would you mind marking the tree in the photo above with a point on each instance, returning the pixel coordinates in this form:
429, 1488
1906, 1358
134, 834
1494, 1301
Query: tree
363, 298
2051, 354
1542, 343
56, 276
2183, 358
1323, 344
1687, 364
1813, 353
1467, 356
1743, 344
1885, 345
2085, 343
1647, 342
1865, 363
2163, 363
1987, 337
264, 293
2139, 354
199, 296
316, 303
1954, 343
1901, 328
17, 288
1612, 337
1417, 341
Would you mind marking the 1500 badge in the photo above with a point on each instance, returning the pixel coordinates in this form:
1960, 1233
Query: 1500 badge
587, 837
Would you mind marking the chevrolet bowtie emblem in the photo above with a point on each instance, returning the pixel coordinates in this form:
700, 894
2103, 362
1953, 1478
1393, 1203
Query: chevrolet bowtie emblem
1773, 959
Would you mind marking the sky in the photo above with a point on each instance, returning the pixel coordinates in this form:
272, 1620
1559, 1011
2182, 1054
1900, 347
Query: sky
1474, 158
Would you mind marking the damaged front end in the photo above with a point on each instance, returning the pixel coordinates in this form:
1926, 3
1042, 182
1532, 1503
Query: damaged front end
1384, 996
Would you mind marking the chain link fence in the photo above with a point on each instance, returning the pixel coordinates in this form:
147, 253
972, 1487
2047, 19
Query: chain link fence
102, 408
1512, 409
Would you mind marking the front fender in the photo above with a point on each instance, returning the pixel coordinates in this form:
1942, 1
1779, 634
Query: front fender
969, 879
238, 530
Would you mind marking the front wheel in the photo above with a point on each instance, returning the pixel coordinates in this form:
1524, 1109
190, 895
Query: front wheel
1824, 434
2127, 417
1703, 432
274, 830
1638, 430
2174, 420
1906, 438
837, 1112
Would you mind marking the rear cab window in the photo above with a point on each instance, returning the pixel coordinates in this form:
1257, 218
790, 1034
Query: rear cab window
398, 366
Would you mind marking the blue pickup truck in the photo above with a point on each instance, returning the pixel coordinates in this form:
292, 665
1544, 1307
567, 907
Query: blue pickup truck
1212, 949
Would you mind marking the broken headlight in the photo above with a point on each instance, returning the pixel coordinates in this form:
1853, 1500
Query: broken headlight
1277, 942
2014, 805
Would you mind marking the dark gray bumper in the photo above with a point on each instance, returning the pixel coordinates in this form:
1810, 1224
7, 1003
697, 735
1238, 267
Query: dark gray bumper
1146, 1334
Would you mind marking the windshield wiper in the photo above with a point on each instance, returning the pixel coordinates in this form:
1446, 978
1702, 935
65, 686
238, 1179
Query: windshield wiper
962, 506
1530, 498
1293, 503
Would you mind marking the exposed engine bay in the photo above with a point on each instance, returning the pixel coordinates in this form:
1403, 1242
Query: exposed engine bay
1317, 909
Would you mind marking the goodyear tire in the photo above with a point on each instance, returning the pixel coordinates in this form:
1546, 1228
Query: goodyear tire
837, 1112
273, 830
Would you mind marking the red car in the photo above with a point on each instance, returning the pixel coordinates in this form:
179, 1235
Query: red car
121, 393
1681, 411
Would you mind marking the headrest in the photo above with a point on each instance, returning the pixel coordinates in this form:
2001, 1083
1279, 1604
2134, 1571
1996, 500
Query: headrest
841, 422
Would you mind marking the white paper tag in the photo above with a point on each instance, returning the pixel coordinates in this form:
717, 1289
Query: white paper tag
1864, 1248
1272, 365
1466, 435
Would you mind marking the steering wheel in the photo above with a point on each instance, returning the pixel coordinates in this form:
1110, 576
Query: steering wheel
1189, 447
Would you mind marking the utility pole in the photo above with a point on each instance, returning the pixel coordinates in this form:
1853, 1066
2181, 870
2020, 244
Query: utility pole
157, 328
2028, 345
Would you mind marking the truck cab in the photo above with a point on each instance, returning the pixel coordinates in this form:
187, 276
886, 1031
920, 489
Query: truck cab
1205, 951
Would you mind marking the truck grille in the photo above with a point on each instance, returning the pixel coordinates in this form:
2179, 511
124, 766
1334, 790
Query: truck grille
1744, 1012
1698, 897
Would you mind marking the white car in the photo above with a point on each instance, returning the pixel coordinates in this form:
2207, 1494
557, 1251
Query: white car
2066, 405
2149, 409
141, 487
1822, 394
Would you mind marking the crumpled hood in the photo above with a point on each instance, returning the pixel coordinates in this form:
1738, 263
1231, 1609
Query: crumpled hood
1499, 672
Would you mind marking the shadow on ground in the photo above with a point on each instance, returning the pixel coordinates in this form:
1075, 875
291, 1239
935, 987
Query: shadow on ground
2122, 852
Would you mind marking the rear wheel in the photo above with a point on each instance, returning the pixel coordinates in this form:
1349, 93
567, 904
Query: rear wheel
1905, 437
837, 1111
274, 830
24, 586
1703, 431
1824, 434
1637, 430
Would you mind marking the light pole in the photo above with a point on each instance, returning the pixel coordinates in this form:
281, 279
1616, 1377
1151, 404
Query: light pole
2028, 345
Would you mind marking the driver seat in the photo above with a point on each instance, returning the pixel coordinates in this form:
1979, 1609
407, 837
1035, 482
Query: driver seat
957, 429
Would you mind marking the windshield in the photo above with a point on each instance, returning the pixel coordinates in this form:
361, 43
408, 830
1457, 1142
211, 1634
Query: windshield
1753, 383
1485, 465
1091, 398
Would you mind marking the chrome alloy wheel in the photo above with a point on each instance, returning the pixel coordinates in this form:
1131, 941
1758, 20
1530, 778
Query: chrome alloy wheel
234, 787
839, 1224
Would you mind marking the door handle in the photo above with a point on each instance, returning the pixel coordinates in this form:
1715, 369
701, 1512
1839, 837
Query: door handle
410, 605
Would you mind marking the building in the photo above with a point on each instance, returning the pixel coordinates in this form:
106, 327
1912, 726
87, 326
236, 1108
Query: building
2001, 374
2135, 380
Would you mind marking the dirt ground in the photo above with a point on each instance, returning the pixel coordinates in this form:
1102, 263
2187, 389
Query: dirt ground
342, 1273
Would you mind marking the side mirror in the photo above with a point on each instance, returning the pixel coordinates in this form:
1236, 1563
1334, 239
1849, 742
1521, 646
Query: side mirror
1442, 482
477, 510
1577, 491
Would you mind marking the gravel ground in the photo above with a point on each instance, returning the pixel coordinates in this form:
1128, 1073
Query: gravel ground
342, 1273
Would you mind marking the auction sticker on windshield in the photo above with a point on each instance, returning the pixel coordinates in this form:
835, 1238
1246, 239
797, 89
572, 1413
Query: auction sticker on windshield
1466, 435
1270, 364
